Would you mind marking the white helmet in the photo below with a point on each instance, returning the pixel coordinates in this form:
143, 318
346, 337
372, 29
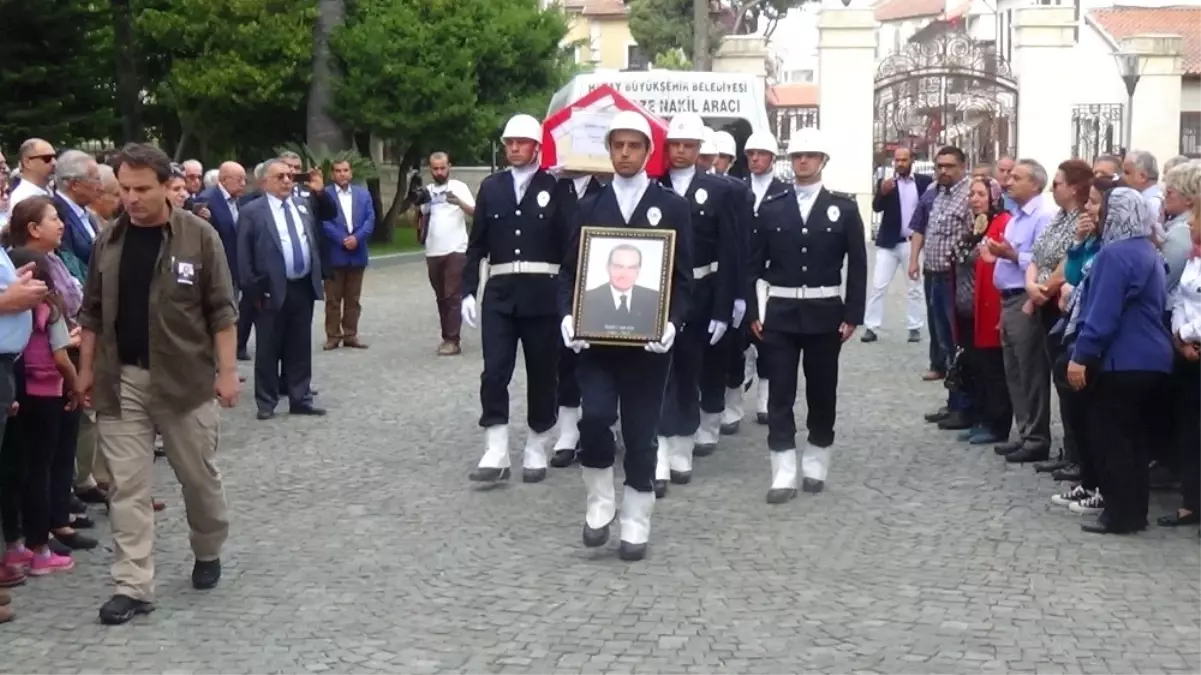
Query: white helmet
686, 127
725, 144
808, 140
523, 126
707, 146
763, 141
628, 120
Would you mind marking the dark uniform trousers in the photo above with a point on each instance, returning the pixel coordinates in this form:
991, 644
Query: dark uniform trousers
569, 386
697, 376
804, 332
738, 339
629, 377
635, 380
518, 305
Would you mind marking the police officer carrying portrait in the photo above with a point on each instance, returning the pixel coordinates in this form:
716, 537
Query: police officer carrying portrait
806, 233
696, 387
571, 188
518, 227
761, 149
630, 378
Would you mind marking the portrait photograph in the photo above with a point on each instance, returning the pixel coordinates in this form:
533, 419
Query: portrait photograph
623, 288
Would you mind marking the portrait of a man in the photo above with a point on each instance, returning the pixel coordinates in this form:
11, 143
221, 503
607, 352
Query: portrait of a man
614, 301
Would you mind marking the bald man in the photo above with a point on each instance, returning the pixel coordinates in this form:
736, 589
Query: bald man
222, 202
37, 167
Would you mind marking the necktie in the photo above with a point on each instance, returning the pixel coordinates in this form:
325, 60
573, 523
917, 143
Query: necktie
294, 235
623, 307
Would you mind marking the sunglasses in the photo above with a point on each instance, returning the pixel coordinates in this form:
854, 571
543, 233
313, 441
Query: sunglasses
45, 158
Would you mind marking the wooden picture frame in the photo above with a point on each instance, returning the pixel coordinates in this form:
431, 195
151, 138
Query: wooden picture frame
623, 285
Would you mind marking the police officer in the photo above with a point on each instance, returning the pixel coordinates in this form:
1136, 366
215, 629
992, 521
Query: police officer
626, 377
727, 153
806, 233
697, 377
761, 150
572, 187
707, 155
518, 227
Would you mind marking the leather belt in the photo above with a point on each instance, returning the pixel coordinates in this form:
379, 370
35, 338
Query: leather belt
704, 270
523, 267
804, 293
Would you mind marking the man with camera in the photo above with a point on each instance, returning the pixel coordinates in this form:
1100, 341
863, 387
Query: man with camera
445, 206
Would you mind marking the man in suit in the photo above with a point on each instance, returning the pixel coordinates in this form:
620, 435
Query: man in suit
223, 201
896, 199
346, 239
280, 271
77, 175
621, 306
308, 188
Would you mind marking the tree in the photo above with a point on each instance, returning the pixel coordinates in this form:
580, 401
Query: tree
673, 60
55, 78
233, 73
659, 26
443, 74
323, 133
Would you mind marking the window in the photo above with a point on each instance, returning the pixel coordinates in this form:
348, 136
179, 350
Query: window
1190, 134
635, 59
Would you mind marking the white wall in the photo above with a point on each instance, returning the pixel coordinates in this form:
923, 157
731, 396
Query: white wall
1190, 95
1099, 80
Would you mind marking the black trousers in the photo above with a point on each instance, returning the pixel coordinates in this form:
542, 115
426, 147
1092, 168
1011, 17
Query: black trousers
1071, 432
762, 365
938, 357
540, 344
1122, 413
247, 315
1075, 410
28, 450
285, 341
62, 468
1186, 397
817, 356
569, 386
983, 372
696, 381
634, 380
737, 342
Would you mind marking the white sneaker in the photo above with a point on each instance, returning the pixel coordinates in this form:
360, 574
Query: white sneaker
1091, 505
1071, 496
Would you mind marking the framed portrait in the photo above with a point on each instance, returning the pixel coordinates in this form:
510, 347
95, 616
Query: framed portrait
623, 286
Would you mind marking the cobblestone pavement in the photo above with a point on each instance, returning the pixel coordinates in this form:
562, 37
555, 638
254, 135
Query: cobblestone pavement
359, 546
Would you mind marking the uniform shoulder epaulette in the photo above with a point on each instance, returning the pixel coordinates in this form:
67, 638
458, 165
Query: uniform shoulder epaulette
843, 195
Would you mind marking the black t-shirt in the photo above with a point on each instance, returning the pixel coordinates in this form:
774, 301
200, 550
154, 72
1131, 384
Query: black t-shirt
138, 255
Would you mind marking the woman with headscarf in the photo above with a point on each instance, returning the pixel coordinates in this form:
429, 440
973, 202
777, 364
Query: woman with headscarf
1124, 353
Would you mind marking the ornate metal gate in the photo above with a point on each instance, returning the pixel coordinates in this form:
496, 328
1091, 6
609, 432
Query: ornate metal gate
1096, 130
944, 88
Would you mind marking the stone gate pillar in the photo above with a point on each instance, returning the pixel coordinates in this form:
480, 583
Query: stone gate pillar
1043, 41
1155, 122
845, 75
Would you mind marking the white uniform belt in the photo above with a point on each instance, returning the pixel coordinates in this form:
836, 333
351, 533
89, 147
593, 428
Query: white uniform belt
523, 267
704, 270
804, 293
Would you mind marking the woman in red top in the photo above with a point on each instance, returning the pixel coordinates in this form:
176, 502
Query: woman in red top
981, 333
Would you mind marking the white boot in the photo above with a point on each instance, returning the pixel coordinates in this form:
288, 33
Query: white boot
601, 506
494, 465
783, 476
636, 509
732, 415
750, 357
679, 457
568, 429
533, 457
663, 459
815, 463
707, 434
761, 402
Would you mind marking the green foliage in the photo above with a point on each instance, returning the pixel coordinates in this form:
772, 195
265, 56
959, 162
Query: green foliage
361, 167
54, 73
673, 60
662, 26
444, 74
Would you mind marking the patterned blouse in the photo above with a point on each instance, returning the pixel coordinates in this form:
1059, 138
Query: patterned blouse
1052, 245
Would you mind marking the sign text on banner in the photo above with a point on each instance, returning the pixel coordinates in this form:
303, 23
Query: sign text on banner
667, 97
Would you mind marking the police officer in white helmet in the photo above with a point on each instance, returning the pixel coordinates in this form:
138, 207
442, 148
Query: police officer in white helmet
708, 152
625, 377
519, 229
727, 152
806, 233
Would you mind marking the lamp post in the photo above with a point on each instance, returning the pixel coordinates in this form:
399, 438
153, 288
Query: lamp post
1128, 68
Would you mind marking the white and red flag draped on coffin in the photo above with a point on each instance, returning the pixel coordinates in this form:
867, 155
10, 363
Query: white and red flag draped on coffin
573, 139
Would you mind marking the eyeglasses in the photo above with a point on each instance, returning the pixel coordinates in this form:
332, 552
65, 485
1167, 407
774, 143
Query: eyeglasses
47, 158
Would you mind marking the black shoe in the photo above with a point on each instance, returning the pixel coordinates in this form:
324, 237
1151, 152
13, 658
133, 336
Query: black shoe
915, 335
57, 547
955, 421
631, 552
703, 450
243, 355
813, 485
92, 495
309, 410
660, 489
1176, 520
780, 495
563, 458
731, 428
76, 541
869, 335
206, 574
1070, 473
263, 415
1028, 455
594, 537
761, 418
1048, 467
1102, 526
82, 523
1006, 448
937, 416
121, 608
533, 475
488, 475
77, 506
681, 477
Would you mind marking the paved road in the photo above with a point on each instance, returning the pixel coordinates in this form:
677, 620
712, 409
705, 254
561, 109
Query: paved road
359, 546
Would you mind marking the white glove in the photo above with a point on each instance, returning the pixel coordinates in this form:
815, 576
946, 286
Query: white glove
468, 310
664, 344
717, 329
567, 330
739, 312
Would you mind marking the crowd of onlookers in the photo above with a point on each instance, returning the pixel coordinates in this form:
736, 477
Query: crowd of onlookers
1084, 279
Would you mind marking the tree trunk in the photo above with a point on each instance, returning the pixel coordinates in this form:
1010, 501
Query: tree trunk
129, 97
400, 202
182, 145
324, 136
701, 58
362, 143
